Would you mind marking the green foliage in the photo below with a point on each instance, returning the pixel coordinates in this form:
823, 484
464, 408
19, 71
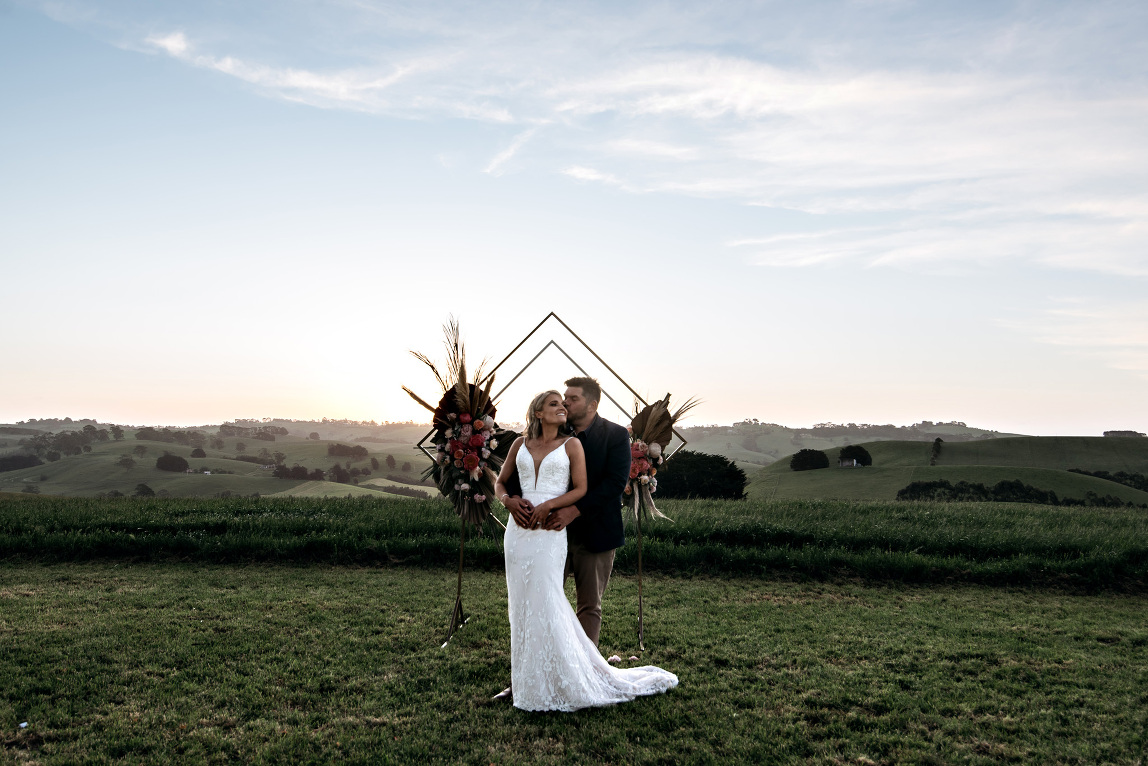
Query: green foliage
696, 474
356, 452
991, 543
16, 462
195, 663
169, 462
143, 490
198, 452
1136, 480
808, 460
856, 452
1002, 492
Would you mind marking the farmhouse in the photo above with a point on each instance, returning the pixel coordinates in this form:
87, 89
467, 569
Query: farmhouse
848, 462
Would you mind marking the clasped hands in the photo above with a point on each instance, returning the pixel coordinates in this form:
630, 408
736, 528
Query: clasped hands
542, 516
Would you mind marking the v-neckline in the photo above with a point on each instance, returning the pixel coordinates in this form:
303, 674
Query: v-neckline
538, 465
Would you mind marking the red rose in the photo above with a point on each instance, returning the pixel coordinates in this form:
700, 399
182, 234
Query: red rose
464, 417
477, 440
633, 470
470, 462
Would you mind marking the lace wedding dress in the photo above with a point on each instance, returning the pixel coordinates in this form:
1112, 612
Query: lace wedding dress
553, 665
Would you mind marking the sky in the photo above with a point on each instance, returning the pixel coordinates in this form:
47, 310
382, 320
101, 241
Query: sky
870, 211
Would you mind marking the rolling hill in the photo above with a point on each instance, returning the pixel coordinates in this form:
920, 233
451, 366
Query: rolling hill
1041, 461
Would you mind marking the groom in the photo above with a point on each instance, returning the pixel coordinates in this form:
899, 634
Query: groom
594, 525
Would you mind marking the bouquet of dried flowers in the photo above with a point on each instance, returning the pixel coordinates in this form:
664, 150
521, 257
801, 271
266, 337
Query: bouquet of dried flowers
470, 447
651, 430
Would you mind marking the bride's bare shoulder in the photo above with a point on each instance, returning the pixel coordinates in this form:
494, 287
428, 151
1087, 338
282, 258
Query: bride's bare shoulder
573, 447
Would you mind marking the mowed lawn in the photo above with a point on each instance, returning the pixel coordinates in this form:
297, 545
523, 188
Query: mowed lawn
195, 662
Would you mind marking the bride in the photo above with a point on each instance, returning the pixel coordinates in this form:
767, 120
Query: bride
553, 664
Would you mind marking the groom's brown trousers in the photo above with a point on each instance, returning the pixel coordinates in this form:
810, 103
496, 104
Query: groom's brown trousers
591, 573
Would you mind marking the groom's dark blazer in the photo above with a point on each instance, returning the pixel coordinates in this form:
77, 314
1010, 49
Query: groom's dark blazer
599, 525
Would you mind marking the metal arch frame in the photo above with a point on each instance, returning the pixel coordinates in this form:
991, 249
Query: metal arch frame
535, 358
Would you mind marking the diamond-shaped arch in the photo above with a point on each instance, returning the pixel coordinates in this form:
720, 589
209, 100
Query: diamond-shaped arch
552, 343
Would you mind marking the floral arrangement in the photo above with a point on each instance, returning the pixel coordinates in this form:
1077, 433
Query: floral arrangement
650, 433
470, 447
468, 451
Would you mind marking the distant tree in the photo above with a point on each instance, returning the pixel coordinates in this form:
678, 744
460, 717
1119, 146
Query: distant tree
697, 474
52, 456
374, 464
356, 452
356, 472
86, 448
365, 471
143, 490
198, 452
856, 452
340, 474
126, 463
808, 460
102, 435
117, 433
313, 435
407, 468
90, 431
139, 450
317, 475
216, 442
278, 457
935, 450
391, 462
240, 447
265, 454
170, 462
16, 462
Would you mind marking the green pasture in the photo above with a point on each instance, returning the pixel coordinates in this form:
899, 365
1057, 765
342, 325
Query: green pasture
1042, 461
334, 489
94, 472
875, 483
200, 663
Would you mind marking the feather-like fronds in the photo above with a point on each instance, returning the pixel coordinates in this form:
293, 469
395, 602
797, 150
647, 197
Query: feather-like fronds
418, 399
654, 424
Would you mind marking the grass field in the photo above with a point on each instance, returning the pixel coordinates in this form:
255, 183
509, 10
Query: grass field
194, 663
1040, 461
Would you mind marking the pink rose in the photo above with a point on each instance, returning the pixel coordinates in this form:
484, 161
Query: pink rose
465, 417
477, 440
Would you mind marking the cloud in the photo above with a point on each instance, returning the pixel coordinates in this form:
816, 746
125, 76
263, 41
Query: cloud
1014, 137
494, 167
590, 174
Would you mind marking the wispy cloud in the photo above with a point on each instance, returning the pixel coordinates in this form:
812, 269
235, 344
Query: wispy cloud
1019, 137
494, 167
590, 174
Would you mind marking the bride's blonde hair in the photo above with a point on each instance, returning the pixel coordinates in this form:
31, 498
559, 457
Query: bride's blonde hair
533, 424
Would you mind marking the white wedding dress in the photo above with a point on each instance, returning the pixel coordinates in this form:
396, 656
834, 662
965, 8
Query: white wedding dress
553, 665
